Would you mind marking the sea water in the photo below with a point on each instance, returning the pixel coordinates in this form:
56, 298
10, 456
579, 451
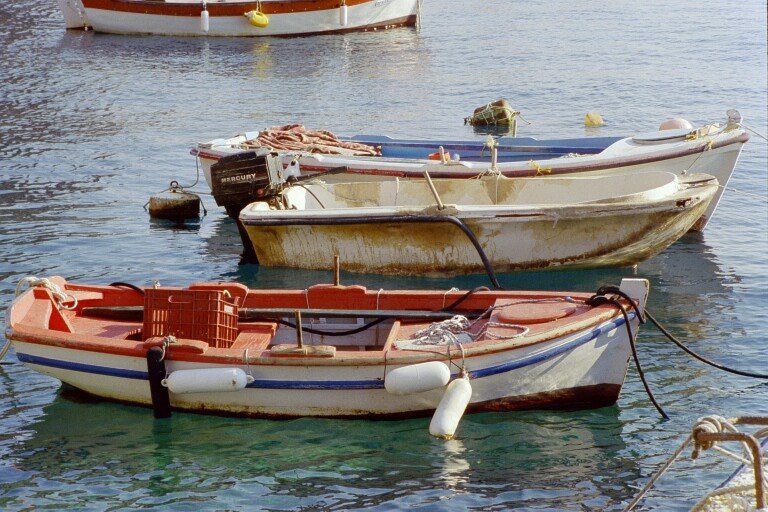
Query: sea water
92, 125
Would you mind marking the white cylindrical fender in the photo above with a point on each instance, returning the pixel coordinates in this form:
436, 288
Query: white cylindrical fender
206, 380
451, 408
417, 378
343, 15
204, 20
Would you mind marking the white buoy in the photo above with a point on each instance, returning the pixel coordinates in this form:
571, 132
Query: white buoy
204, 19
451, 408
417, 378
206, 380
675, 124
343, 14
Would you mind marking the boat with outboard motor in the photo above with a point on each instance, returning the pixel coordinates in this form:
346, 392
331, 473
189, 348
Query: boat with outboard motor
459, 226
237, 17
712, 149
330, 350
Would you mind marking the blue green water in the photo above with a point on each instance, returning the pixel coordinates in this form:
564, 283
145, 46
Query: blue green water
92, 125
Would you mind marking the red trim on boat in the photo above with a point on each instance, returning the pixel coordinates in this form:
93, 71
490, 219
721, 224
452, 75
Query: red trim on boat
216, 8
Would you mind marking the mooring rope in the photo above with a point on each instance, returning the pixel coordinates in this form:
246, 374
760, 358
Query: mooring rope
755, 132
714, 425
602, 299
700, 357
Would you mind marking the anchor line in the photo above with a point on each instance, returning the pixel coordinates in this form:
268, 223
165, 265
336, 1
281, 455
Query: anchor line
700, 357
600, 298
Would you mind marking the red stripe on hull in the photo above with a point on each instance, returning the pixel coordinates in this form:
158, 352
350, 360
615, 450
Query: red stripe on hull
216, 9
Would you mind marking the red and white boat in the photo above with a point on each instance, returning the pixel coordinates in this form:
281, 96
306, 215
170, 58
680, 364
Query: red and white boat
226, 349
237, 18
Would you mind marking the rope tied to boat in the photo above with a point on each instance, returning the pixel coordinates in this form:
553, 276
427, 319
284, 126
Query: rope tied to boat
602, 297
59, 295
167, 341
540, 171
704, 436
709, 424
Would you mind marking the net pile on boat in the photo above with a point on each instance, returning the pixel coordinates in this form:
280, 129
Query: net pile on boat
295, 137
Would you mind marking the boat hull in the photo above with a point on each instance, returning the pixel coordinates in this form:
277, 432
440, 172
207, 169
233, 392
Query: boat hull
401, 241
227, 18
580, 371
569, 352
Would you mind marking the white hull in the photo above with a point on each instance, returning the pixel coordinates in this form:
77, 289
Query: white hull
578, 363
374, 14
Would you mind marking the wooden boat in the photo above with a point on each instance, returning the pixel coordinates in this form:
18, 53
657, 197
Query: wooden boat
237, 17
405, 227
712, 149
227, 349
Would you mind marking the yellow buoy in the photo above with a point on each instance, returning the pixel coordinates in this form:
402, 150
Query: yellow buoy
593, 119
257, 18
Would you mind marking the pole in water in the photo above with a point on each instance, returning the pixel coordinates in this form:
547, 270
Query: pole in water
161, 403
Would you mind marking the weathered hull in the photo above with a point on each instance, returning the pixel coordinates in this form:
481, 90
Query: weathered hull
584, 370
513, 239
226, 18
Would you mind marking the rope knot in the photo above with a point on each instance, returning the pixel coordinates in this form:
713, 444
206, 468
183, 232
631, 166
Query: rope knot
708, 425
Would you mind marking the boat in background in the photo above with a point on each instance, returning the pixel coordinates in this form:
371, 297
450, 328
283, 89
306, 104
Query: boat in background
329, 350
459, 226
237, 18
711, 149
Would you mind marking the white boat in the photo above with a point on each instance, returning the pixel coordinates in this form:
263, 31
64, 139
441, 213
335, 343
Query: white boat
711, 149
458, 226
222, 348
237, 18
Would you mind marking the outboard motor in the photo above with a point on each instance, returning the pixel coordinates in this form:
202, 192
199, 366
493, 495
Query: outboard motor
242, 178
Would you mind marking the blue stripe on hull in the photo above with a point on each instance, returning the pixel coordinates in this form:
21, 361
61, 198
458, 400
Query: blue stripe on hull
331, 384
80, 367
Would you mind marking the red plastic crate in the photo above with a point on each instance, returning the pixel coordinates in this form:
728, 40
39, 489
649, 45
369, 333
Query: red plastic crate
207, 315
